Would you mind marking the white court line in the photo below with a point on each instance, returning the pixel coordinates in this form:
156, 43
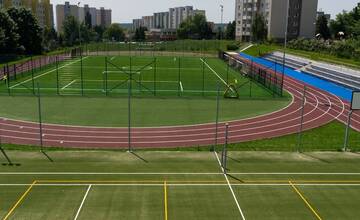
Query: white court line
231, 189
120, 173
178, 184
69, 84
46, 73
82, 202
223, 81
181, 87
112, 58
246, 48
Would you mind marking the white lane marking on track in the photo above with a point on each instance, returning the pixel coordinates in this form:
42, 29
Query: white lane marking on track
82, 202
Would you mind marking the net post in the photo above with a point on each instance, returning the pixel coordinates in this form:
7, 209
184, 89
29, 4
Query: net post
301, 120
57, 75
81, 73
347, 131
217, 118
40, 118
155, 76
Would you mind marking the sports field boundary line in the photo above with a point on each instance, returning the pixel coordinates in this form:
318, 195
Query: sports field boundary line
82, 202
69, 84
231, 189
214, 72
28, 80
165, 173
18, 202
305, 201
165, 201
183, 184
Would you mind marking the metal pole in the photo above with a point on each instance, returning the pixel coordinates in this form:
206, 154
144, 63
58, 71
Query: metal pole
225, 148
155, 76
348, 124
179, 78
106, 77
79, 30
81, 74
57, 75
129, 114
2, 149
285, 44
217, 117
203, 78
32, 74
221, 25
302, 120
40, 118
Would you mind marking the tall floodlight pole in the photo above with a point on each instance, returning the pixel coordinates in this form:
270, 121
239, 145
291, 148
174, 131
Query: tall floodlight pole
285, 44
222, 18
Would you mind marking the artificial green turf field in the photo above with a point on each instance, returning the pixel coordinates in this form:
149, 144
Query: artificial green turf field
167, 76
180, 185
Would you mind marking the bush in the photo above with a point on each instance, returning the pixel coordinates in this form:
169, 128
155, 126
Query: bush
232, 47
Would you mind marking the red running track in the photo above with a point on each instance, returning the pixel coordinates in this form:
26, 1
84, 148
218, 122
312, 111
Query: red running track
320, 108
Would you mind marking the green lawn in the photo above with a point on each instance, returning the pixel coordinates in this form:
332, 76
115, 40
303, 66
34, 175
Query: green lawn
179, 185
114, 111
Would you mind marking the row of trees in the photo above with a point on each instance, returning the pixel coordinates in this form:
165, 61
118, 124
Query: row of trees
197, 27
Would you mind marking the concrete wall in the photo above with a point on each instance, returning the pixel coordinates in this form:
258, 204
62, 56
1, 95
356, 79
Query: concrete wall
308, 18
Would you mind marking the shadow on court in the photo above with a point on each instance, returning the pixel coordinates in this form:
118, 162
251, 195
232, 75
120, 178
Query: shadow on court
139, 157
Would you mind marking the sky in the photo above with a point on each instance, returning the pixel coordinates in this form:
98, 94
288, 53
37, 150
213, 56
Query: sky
123, 11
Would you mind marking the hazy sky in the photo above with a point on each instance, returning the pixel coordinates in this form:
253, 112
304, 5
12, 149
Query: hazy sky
126, 10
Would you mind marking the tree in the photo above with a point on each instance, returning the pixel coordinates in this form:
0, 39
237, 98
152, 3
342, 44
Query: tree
50, 39
347, 22
71, 30
140, 34
8, 34
88, 21
230, 31
322, 27
259, 28
28, 28
99, 30
195, 27
115, 32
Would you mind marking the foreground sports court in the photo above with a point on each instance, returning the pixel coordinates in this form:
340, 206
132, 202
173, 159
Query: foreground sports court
180, 185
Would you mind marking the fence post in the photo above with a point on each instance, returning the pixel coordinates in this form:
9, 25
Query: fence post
106, 77
301, 120
81, 74
32, 74
154, 76
217, 117
179, 78
348, 124
57, 75
203, 78
129, 111
3, 151
14, 71
40, 117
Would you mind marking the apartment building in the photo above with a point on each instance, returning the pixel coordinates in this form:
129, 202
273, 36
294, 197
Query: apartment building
41, 9
101, 17
301, 18
167, 20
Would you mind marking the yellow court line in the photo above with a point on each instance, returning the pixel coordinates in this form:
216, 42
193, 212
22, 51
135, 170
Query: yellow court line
305, 201
19, 200
165, 201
